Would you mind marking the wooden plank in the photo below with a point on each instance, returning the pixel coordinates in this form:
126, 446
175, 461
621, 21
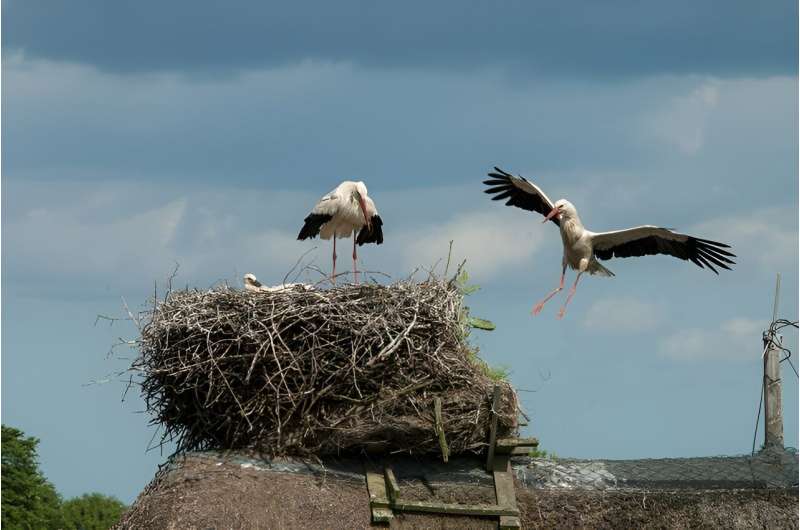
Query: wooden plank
378, 502
392, 487
508, 522
504, 489
437, 408
376, 487
493, 427
506, 445
505, 486
520, 451
382, 515
517, 442
454, 509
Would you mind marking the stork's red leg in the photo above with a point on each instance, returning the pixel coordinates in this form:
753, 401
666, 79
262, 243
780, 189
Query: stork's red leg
538, 307
569, 296
333, 270
355, 257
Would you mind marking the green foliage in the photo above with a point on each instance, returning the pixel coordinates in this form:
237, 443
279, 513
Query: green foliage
496, 373
29, 501
461, 281
541, 453
480, 323
468, 323
91, 511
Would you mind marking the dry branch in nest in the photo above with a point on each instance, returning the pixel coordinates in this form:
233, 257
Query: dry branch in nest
347, 369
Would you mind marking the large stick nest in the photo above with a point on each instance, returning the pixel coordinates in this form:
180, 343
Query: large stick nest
353, 368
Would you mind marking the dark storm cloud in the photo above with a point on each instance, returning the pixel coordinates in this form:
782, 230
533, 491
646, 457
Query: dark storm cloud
572, 37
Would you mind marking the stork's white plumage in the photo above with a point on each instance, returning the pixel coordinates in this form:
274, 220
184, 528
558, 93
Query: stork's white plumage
340, 214
582, 247
253, 285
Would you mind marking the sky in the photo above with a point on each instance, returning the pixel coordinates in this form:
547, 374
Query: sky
138, 136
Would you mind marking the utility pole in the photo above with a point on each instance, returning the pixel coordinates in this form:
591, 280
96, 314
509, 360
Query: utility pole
773, 409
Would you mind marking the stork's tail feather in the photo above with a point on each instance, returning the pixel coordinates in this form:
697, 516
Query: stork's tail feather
599, 270
375, 235
313, 224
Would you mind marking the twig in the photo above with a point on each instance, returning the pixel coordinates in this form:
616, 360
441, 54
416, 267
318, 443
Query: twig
449, 254
296, 263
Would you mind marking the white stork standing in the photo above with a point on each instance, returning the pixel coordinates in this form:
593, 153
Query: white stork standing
342, 212
583, 247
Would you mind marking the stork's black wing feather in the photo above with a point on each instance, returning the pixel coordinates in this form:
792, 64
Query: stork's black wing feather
519, 191
373, 234
313, 224
651, 240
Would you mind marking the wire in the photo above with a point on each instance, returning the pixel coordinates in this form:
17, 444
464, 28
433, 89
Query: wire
769, 341
791, 364
760, 403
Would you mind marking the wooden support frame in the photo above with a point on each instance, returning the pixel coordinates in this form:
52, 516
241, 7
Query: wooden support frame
392, 489
508, 445
378, 500
493, 427
455, 509
504, 491
384, 489
437, 411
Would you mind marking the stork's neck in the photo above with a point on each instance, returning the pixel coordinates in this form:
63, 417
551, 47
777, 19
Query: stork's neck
571, 227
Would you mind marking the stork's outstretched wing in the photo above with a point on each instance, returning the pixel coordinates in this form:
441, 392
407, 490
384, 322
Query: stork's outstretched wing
651, 240
519, 192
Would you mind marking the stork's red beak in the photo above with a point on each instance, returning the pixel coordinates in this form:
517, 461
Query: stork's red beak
364, 211
554, 212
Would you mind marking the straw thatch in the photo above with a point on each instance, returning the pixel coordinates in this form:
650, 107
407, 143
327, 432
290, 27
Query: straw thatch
203, 491
299, 371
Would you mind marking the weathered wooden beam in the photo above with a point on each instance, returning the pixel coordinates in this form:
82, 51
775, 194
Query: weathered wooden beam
382, 515
506, 445
520, 451
437, 409
493, 427
392, 487
509, 522
376, 486
504, 490
378, 501
503, 481
454, 509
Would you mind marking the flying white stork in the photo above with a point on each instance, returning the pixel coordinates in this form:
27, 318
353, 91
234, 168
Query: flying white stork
342, 212
583, 247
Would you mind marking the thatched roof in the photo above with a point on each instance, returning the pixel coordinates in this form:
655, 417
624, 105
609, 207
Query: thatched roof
209, 491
